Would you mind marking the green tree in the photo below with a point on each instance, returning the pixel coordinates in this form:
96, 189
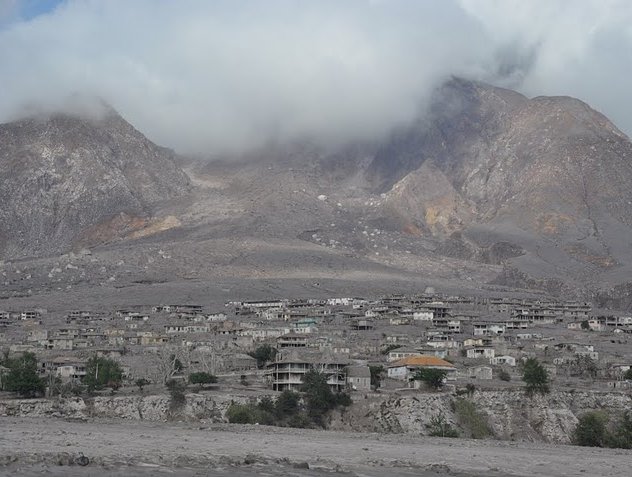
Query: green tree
287, 404
535, 376
202, 378
263, 354
318, 395
591, 430
102, 372
22, 377
435, 378
628, 374
585, 325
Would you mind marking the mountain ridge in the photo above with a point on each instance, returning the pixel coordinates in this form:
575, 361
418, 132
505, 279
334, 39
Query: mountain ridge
61, 174
489, 187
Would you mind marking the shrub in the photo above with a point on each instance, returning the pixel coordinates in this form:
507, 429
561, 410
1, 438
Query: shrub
176, 389
266, 404
71, 389
202, 378
250, 414
241, 414
439, 427
536, 377
434, 378
343, 399
141, 383
628, 374
287, 404
470, 419
591, 430
621, 437
300, 420
504, 375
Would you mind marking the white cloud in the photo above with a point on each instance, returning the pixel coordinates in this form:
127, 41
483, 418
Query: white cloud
228, 75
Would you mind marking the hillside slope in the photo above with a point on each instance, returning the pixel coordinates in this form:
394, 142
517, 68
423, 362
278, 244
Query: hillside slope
61, 174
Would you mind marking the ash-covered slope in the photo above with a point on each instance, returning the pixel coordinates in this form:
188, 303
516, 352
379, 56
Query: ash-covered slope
61, 174
488, 189
488, 165
548, 161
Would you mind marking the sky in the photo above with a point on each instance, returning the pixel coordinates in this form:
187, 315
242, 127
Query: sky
213, 77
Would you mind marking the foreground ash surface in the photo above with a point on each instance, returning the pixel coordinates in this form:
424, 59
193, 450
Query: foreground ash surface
38, 446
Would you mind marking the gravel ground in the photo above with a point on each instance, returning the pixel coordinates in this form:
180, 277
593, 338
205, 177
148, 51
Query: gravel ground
30, 446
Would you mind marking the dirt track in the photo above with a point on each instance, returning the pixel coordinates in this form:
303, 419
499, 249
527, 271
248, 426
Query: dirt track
27, 444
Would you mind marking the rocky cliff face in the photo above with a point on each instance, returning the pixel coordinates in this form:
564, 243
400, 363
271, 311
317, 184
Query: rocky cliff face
510, 414
150, 408
62, 174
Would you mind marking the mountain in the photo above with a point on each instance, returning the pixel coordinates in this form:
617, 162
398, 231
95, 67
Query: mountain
487, 190
62, 174
548, 180
550, 164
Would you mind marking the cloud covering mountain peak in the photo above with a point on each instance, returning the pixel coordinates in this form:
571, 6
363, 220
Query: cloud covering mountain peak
227, 76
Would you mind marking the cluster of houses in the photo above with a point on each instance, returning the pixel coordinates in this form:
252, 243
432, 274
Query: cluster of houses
351, 340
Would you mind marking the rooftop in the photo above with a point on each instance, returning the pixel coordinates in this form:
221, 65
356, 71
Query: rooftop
422, 360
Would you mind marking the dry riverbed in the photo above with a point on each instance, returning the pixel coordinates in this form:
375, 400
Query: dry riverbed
36, 446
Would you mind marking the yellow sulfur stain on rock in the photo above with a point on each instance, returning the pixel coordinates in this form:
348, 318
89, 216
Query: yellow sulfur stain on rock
156, 226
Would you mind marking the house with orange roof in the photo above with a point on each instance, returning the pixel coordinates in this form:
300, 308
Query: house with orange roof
404, 369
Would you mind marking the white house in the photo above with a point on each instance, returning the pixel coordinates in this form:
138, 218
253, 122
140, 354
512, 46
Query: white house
480, 352
503, 360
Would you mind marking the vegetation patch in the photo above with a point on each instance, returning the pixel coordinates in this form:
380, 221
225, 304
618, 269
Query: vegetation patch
291, 409
434, 378
22, 377
536, 377
471, 420
177, 397
439, 427
595, 429
102, 372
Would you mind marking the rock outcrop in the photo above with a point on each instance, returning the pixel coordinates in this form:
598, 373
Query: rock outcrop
60, 175
149, 407
511, 415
